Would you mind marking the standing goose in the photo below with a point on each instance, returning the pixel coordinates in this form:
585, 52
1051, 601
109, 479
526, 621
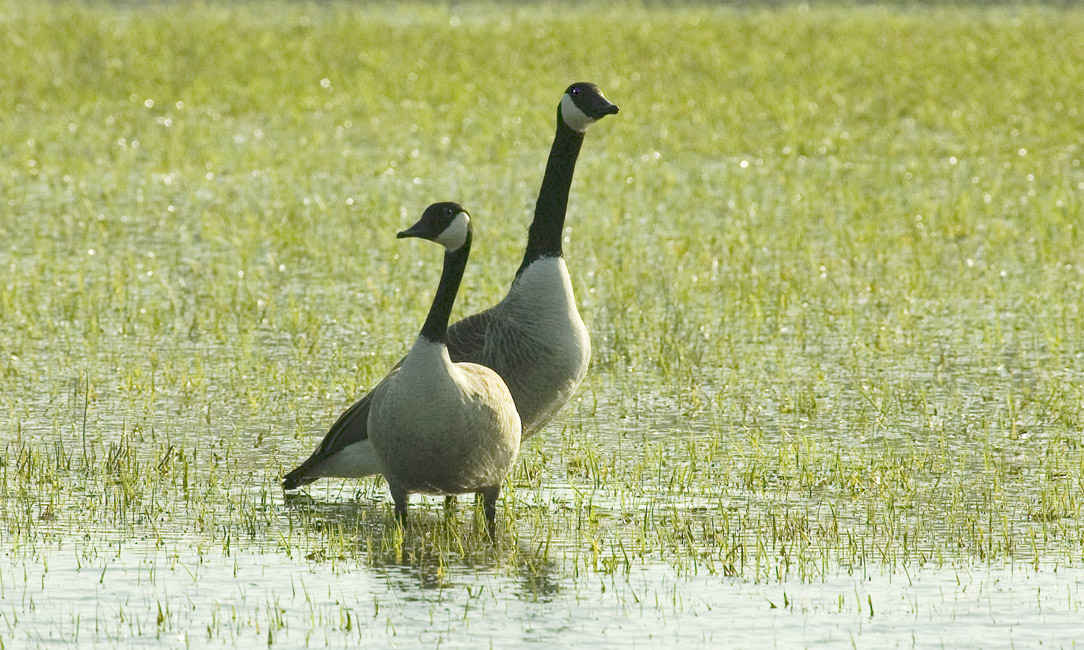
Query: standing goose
439, 427
534, 338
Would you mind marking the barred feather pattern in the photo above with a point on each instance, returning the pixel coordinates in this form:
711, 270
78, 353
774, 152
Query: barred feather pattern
535, 339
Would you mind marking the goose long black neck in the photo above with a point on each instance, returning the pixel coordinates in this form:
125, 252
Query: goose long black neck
435, 328
544, 235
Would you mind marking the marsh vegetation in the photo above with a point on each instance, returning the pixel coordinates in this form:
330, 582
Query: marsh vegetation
831, 260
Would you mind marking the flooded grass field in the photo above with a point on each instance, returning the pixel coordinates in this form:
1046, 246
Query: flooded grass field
831, 260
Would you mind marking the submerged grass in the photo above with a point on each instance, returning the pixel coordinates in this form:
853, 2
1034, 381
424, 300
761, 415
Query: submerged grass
831, 260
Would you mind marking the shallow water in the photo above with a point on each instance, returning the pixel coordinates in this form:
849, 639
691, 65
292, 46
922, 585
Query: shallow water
808, 510
146, 597
585, 560
643, 517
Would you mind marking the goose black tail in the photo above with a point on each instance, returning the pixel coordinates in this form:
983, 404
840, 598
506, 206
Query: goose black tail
296, 479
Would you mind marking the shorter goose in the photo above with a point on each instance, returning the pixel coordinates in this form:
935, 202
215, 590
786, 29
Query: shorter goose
439, 427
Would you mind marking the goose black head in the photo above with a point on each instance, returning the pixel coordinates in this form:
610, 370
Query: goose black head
447, 224
582, 105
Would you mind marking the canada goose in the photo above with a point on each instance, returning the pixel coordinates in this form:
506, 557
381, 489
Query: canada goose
534, 337
440, 427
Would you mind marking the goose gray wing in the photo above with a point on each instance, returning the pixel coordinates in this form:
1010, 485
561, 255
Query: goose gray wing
352, 426
466, 342
467, 338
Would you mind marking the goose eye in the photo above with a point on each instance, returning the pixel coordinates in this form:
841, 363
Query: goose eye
576, 90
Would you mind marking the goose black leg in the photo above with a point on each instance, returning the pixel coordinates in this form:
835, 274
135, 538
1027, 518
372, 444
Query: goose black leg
489, 504
401, 499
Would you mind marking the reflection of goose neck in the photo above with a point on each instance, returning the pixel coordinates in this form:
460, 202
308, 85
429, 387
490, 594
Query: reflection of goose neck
544, 235
435, 328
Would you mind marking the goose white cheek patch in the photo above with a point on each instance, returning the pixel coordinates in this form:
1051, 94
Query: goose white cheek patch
455, 235
576, 119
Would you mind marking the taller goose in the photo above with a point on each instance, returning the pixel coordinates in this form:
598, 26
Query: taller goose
534, 338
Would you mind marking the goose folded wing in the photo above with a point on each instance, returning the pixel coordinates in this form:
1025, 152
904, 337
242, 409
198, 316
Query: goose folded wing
467, 338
